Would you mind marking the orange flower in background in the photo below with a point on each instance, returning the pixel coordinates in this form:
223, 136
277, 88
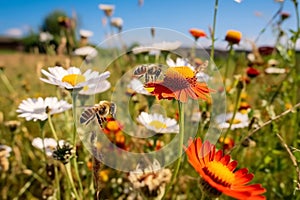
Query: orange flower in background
179, 83
228, 143
233, 37
197, 33
218, 172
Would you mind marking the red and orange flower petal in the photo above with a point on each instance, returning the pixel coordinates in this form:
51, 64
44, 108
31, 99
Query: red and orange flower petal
179, 83
218, 172
197, 33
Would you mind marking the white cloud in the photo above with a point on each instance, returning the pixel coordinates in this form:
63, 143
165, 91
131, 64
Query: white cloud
14, 32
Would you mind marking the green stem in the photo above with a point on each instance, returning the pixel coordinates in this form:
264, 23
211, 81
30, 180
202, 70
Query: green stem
52, 127
57, 182
74, 98
237, 103
180, 147
42, 125
228, 61
71, 181
6, 82
212, 51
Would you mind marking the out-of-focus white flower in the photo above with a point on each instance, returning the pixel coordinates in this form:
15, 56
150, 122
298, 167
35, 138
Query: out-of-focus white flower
251, 57
180, 62
36, 109
6, 150
238, 1
72, 78
117, 22
107, 9
167, 46
240, 120
137, 86
45, 37
142, 49
275, 70
152, 180
158, 123
96, 88
162, 46
85, 33
4, 154
273, 63
86, 52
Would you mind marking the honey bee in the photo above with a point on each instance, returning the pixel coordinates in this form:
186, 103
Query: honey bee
151, 72
201, 67
101, 111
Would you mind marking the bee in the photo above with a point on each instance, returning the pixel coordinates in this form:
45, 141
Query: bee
151, 72
201, 67
101, 111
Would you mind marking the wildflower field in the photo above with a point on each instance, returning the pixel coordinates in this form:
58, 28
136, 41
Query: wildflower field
155, 119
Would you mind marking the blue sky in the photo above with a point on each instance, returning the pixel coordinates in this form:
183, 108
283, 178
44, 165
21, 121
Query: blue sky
249, 17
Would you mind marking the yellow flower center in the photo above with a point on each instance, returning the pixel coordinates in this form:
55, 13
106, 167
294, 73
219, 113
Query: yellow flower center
235, 121
157, 124
186, 72
220, 173
73, 79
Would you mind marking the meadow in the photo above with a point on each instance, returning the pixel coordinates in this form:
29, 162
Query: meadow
171, 122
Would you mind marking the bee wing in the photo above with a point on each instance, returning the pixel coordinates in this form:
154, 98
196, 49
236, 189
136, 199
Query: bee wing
86, 116
113, 110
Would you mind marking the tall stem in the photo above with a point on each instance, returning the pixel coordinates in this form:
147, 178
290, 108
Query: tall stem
74, 98
180, 147
42, 125
52, 127
57, 182
212, 51
70, 178
228, 61
237, 103
6, 82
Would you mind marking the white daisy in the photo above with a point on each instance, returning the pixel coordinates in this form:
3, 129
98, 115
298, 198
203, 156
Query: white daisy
201, 76
7, 150
240, 120
137, 86
86, 52
158, 123
50, 144
72, 78
85, 33
35, 109
275, 70
95, 88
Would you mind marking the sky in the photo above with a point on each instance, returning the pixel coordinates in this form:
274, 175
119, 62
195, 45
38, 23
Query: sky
249, 16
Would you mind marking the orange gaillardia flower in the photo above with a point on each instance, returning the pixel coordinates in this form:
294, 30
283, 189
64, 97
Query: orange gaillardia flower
233, 37
218, 173
197, 33
179, 83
